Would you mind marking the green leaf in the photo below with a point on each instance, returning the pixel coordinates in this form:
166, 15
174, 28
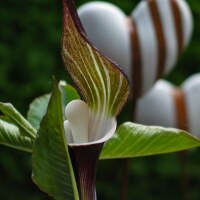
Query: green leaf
38, 107
51, 164
16, 118
37, 110
10, 135
68, 93
133, 140
102, 84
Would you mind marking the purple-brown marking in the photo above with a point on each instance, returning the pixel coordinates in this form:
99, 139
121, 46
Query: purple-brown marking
181, 111
161, 43
178, 24
136, 60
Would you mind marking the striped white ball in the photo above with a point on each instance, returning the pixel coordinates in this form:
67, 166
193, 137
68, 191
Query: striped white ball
147, 44
163, 28
165, 105
191, 88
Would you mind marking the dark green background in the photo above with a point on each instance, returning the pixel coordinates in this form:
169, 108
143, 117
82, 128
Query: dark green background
30, 34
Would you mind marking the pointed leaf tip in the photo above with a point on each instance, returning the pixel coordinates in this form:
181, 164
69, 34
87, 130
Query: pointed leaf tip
134, 140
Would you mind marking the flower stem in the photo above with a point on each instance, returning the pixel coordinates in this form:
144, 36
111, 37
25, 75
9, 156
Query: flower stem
125, 179
125, 163
183, 159
84, 160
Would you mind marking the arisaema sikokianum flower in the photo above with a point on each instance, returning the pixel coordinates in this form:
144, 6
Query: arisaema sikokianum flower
65, 147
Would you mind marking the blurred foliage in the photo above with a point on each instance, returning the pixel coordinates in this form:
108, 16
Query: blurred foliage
30, 35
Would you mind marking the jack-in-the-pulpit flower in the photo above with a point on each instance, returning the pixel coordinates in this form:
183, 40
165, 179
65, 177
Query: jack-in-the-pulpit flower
86, 133
91, 122
104, 88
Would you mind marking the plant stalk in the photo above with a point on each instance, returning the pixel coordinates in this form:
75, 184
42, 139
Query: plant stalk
125, 179
84, 161
183, 157
126, 162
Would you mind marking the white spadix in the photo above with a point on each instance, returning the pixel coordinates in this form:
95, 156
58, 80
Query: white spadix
84, 126
77, 114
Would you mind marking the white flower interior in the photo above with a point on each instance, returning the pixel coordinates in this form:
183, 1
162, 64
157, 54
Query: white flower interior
86, 127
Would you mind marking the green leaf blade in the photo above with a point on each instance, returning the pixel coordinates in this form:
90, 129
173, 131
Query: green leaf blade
68, 92
37, 110
52, 168
38, 107
134, 140
10, 135
14, 116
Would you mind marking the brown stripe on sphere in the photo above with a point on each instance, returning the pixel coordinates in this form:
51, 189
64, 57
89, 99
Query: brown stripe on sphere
181, 112
161, 43
136, 60
178, 24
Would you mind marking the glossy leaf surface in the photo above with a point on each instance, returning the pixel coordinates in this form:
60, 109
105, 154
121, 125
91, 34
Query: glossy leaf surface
51, 164
134, 140
68, 93
16, 118
38, 107
11, 136
37, 110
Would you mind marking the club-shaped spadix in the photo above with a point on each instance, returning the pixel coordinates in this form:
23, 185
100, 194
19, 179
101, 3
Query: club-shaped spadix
77, 114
